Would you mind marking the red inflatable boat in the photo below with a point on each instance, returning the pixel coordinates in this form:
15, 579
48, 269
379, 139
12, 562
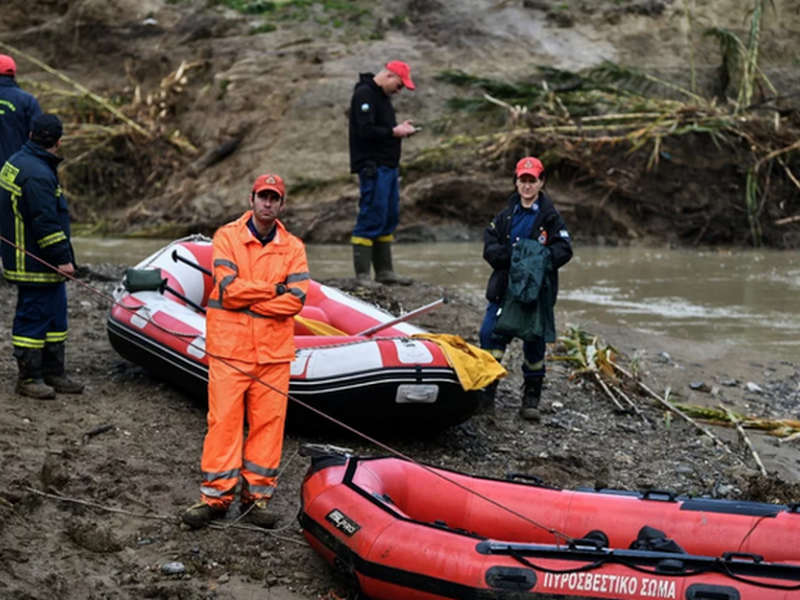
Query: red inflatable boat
398, 530
386, 380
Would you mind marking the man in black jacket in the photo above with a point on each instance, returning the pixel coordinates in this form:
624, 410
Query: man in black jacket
37, 255
375, 139
529, 215
18, 109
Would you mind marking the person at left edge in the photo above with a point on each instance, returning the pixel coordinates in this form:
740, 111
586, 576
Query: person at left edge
260, 283
37, 255
18, 109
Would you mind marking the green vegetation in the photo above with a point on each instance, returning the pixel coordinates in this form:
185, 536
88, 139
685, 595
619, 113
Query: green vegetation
263, 28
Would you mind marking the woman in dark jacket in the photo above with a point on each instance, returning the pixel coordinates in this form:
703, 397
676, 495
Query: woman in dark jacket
529, 215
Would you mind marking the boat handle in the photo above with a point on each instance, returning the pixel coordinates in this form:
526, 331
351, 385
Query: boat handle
660, 495
756, 558
534, 479
711, 592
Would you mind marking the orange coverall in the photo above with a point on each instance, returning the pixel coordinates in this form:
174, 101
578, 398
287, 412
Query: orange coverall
251, 328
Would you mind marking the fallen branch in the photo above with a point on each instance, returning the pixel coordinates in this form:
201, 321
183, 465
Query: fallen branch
675, 410
96, 431
746, 439
608, 392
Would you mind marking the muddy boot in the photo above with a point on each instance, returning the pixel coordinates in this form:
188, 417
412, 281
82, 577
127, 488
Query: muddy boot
201, 514
384, 272
530, 398
31, 382
362, 262
486, 403
54, 373
258, 514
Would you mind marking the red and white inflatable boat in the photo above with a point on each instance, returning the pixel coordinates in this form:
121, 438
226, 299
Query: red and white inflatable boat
398, 530
386, 381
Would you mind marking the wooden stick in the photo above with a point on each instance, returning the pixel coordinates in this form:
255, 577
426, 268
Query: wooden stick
608, 391
787, 220
633, 405
678, 412
746, 439
99, 99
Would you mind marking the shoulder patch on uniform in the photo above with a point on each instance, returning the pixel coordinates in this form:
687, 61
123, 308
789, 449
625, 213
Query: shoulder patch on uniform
9, 173
365, 107
564, 233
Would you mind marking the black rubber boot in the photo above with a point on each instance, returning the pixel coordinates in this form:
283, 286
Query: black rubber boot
382, 260
362, 263
54, 371
486, 404
530, 398
31, 382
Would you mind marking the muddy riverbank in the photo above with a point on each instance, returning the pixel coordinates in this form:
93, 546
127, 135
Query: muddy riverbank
97, 516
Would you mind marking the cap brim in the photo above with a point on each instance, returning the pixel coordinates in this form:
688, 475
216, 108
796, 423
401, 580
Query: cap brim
534, 172
408, 83
272, 188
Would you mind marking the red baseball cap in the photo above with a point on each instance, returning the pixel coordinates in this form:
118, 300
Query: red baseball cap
269, 182
403, 71
7, 65
529, 166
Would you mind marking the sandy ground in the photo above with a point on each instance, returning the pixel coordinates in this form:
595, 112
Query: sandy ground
96, 516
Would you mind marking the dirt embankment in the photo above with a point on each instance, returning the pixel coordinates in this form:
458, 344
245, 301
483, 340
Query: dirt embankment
267, 91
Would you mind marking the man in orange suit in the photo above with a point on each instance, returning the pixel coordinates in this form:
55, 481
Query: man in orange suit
260, 283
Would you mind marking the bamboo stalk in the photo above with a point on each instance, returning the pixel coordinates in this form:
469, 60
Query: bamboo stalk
746, 439
678, 412
99, 99
790, 438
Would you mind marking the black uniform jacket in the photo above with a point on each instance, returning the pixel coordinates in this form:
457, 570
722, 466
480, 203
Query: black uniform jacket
372, 119
549, 228
33, 216
18, 109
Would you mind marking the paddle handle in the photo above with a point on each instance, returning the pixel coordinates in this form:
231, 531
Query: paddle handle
409, 315
178, 258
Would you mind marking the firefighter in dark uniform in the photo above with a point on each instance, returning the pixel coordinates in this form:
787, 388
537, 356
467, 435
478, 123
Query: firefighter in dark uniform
34, 224
375, 141
529, 214
18, 109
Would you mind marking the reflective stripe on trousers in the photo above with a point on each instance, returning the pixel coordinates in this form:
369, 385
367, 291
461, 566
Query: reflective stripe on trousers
232, 395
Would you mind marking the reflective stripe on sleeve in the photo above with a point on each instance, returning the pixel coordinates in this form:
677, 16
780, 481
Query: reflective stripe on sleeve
295, 277
53, 238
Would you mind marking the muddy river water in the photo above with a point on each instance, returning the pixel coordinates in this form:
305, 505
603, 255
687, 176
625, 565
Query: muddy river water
748, 298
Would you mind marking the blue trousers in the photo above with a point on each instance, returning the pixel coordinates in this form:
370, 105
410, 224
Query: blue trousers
533, 352
379, 206
41, 315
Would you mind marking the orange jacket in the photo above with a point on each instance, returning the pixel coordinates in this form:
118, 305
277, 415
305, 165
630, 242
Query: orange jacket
247, 319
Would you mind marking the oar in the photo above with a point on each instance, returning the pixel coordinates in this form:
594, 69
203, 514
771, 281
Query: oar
178, 258
150, 280
409, 315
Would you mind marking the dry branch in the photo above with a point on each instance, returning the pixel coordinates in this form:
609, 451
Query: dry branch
746, 439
